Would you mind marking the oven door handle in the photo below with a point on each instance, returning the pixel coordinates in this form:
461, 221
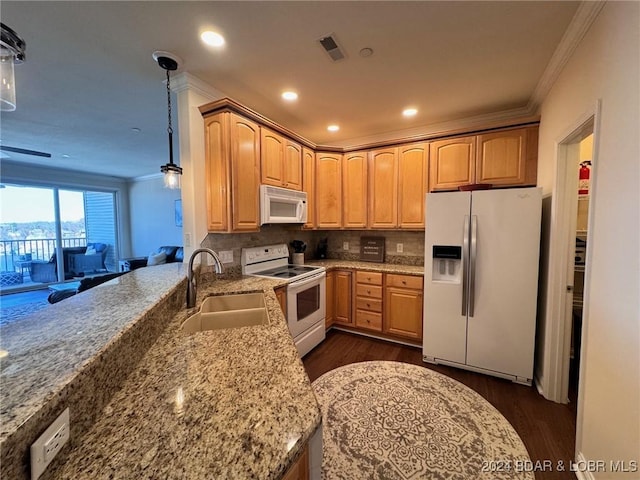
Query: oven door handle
295, 286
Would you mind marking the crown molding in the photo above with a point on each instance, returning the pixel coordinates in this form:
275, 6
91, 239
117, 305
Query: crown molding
486, 121
186, 81
582, 20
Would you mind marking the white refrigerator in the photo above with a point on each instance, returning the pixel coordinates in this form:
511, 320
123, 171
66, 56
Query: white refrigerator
482, 253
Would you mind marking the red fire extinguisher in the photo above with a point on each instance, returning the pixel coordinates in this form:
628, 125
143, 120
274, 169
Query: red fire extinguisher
584, 174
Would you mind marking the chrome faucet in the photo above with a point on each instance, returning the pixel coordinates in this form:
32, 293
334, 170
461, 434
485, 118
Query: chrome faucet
191, 281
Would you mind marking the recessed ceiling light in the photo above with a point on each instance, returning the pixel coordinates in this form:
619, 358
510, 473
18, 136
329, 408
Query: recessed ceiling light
212, 38
64, 155
409, 112
333, 128
289, 95
136, 130
366, 52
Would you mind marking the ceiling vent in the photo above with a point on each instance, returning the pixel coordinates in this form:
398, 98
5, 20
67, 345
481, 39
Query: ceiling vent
331, 47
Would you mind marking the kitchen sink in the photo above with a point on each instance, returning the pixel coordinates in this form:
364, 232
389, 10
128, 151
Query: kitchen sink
228, 311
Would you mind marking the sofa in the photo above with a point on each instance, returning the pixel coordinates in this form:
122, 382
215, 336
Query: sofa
77, 261
85, 284
171, 254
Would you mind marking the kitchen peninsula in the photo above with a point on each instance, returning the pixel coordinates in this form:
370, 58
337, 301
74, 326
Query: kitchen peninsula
147, 399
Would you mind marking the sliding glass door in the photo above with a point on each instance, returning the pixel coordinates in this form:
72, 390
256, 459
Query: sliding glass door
54, 235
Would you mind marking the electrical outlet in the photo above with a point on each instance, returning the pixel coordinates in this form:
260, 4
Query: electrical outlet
226, 256
47, 446
345, 245
187, 239
399, 247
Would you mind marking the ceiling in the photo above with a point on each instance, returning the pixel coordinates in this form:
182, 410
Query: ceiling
89, 78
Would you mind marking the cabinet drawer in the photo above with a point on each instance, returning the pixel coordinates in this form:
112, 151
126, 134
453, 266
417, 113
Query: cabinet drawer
369, 304
404, 281
369, 320
371, 278
368, 291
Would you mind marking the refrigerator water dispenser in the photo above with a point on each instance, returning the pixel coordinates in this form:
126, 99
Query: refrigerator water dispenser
447, 264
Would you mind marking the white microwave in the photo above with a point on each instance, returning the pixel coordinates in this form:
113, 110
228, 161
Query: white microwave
282, 205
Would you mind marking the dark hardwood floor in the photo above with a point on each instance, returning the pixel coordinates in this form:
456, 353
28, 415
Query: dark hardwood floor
546, 428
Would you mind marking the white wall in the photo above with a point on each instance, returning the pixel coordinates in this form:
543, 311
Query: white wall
152, 216
606, 66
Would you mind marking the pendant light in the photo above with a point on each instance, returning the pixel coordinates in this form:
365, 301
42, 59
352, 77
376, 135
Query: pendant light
12, 52
172, 172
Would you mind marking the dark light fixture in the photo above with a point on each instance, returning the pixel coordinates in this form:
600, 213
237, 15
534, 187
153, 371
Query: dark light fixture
171, 171
12, 52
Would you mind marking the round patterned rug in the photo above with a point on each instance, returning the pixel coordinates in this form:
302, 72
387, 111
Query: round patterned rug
390, 420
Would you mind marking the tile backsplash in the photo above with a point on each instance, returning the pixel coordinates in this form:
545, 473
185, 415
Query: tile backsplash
412, 243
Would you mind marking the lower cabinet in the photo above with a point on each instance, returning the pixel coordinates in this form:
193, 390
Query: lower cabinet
403, 306
372, 302
342, 293
330, 308
281, 295
300, 469
368, 303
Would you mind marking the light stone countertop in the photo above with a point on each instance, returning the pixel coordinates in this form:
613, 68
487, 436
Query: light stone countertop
232, 403
227, 404
330, 264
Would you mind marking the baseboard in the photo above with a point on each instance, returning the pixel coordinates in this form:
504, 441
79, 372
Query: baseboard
582, 475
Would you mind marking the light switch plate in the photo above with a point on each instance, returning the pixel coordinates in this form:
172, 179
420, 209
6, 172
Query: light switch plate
399, 247
345, 245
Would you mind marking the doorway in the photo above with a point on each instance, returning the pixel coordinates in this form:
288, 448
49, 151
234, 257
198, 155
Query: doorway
575, 181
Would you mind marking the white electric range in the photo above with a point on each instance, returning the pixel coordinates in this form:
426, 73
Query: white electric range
306, 291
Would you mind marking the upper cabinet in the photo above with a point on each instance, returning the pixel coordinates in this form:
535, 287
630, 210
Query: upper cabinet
413, 181
502, 158
452, 163
309, 184
508, 157
281, 160
354, 190
383, 185
328, 190
232, 166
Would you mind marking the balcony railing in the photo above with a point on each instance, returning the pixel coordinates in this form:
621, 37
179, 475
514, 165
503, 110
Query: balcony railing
12, 251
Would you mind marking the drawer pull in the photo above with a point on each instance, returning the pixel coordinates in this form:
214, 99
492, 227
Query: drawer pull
404, 282
368, 304
368, 291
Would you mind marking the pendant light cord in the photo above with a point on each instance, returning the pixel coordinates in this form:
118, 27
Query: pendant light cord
169, 127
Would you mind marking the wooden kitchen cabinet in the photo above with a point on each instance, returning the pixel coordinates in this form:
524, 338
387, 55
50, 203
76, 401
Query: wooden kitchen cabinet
502, 158
300, 469
507, 157
368, 301
383, 188
281, 295
354, 190
342, 293
281, 160
232, 168
309, 184
330, 304
403, 306
328, 190
413, 185
452, 163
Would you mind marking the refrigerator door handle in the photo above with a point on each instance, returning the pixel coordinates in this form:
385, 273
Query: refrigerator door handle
472, 266
465, 265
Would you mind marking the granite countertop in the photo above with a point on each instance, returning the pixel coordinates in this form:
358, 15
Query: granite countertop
232, 403
148, 400
331, 264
